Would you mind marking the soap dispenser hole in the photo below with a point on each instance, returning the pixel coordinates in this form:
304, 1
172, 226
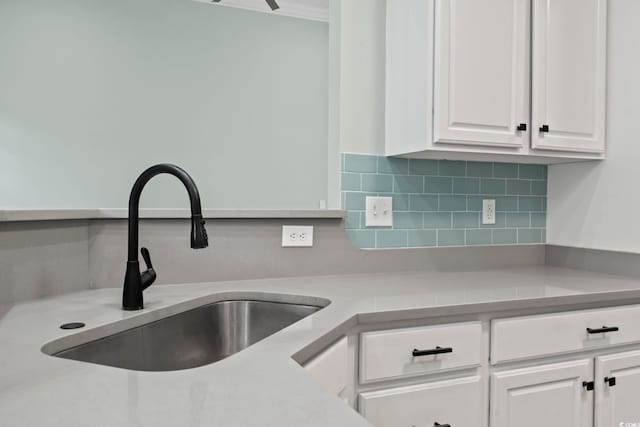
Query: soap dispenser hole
74, 325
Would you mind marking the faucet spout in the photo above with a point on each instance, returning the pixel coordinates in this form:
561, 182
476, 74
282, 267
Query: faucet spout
134, 281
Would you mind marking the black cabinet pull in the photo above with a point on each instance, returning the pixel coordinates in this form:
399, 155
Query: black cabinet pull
437, 424
603, 330
437, 350
522, 127
544, 128
610, 381
588, 385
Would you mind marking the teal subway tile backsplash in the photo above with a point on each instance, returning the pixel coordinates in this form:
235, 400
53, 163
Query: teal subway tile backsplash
439, 202
408, 220
518, 187
532, 172
479, 237
493, 186
437, 220
505, 236
450, 168
408, 184
423, 238
438, 185
539, 188
392, 239
529, 235
480, 169
422, 202
451, 237
351, 182
360, 163
518, 219
466, 219
377, 183
362, 238
424, 167
452, 203
466, 185
393, 165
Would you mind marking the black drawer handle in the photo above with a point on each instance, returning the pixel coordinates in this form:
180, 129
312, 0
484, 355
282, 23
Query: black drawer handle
437, 424
610, 381
603, 330
437, 350
522, 127
544, 128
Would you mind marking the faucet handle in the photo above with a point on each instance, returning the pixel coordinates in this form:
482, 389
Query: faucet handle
147, 257
147, 277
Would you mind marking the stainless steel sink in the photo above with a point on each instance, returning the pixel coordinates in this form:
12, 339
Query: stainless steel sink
194, 338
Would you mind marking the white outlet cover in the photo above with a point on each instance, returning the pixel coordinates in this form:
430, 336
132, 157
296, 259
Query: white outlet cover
379, 212
296, 236
489, 212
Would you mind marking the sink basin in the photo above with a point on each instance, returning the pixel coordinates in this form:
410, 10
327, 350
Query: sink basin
194, 338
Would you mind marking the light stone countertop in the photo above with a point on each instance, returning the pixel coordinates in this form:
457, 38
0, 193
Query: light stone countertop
261, 386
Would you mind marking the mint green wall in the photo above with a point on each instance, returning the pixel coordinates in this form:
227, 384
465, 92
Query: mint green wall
92, 92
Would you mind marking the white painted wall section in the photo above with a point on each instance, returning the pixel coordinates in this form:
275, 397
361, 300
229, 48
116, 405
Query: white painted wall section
597, 205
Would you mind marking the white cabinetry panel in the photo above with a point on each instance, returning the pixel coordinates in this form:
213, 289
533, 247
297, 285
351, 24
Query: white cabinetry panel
569, 75
526, 337
330, 367
482, 72
618, 404
548, 395
390, 354
458, 402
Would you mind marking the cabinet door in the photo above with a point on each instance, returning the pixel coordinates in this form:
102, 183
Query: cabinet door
569, 75
617, 404
548, 395
482, 74
458, 402
330, 368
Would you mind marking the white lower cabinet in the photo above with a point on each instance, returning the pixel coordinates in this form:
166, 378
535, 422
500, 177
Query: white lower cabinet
549, 395
618, 389
456, 374
457, 402
330, 368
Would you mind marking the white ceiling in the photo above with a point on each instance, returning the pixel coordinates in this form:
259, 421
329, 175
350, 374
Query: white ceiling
317, 10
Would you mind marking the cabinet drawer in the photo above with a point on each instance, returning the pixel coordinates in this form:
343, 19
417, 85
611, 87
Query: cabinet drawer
458, 402
550, 334
416, 351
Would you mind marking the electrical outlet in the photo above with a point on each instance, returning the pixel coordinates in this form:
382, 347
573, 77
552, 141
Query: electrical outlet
489, 212
297, 236
379, 212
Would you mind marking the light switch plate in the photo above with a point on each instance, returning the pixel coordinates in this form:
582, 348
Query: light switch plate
379, 212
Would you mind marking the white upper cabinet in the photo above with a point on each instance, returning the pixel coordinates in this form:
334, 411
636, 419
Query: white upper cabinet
569, 75
481, 90
478, 80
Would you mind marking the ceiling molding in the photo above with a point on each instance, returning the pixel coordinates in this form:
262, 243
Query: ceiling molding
316, 10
